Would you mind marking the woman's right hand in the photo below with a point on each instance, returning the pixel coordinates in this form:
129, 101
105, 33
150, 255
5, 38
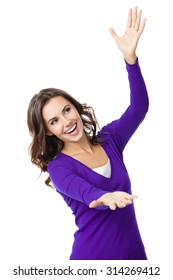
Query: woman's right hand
113, 200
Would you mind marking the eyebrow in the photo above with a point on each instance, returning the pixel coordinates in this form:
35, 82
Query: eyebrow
55, 118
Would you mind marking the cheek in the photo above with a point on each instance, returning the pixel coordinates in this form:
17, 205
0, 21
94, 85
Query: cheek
56, 130
78, 117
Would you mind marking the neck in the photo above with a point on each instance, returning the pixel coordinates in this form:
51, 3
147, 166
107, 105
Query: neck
73, 148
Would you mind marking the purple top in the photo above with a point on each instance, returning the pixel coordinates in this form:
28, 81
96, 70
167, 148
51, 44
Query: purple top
104, 234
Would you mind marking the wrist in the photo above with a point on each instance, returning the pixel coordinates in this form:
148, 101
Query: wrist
130, 59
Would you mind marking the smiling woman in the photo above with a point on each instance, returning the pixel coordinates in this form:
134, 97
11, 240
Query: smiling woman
86, 167
53, 116
62, 119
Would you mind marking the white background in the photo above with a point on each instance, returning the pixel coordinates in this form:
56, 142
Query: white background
66, 44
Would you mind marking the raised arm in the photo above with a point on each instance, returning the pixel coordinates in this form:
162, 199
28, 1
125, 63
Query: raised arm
124, 128
129, 41
139, 102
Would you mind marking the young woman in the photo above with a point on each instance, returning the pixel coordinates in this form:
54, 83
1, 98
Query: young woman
86, 167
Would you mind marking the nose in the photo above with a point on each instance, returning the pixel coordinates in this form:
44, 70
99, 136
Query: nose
66, 122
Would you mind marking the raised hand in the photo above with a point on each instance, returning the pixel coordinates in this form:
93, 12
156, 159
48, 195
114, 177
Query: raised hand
113, 200
129, 41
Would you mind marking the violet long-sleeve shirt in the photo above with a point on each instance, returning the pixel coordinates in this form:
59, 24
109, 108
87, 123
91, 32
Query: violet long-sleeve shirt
104, 234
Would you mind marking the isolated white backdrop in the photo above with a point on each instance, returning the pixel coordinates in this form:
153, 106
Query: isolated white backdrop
66, 44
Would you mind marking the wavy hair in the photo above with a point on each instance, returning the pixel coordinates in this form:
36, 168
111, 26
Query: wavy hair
43, 147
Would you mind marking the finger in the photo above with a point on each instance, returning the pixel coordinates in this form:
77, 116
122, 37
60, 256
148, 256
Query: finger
113, 33
138, 20
93, 204
134, 17
96, 203
125, 202
131, 196
129, 20
128, 201
112, 206
142, 26
121, 204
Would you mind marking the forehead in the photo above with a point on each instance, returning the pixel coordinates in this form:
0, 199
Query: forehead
54, 106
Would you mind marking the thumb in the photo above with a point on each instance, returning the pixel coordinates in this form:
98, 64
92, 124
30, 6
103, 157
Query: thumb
113, 33
94, 204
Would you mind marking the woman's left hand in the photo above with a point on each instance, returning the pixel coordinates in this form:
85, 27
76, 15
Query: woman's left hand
113, 200
129, 41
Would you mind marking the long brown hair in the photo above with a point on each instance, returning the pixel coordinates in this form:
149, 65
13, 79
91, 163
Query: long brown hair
43, 147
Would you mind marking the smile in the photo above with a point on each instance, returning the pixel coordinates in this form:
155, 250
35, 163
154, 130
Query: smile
71, 130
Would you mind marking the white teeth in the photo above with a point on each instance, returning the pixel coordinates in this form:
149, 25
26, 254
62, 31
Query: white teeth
71, 130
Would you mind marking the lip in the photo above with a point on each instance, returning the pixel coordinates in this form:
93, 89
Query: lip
70, 128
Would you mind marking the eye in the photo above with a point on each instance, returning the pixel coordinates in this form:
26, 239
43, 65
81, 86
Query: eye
67, 109
54, 121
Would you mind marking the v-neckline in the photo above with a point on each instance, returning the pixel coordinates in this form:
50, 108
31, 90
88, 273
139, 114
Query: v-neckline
90, 169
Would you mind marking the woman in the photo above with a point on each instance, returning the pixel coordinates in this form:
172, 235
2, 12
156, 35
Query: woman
86, 167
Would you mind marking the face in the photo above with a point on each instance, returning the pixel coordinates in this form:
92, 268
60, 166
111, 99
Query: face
63, 120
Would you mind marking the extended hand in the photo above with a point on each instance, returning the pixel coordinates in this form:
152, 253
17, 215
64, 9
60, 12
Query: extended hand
113, 200
129, 41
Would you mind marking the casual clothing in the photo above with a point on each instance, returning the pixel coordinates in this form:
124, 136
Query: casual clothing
104, 234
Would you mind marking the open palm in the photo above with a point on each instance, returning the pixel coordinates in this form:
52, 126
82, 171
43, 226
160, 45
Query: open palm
129, 41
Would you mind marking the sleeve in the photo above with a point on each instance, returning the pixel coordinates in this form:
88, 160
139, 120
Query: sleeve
126, 125
68, 182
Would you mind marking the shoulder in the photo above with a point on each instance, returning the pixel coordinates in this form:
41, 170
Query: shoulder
110, 135
61, 161
109, 129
